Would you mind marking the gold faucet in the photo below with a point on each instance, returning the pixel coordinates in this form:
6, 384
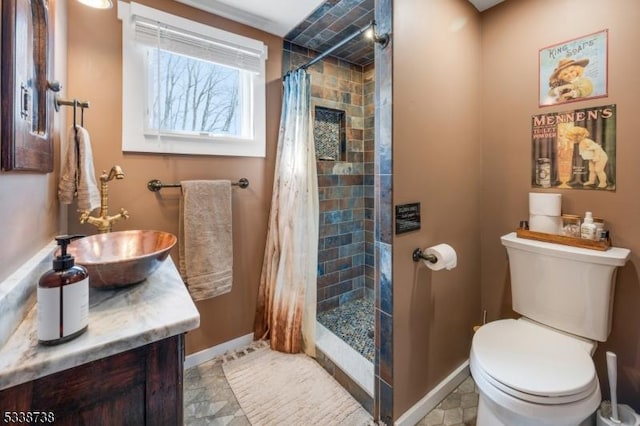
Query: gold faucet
104, 222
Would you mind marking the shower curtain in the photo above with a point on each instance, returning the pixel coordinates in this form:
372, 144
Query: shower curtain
286, 308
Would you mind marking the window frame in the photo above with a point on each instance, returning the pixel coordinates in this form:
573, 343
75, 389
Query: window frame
135, 135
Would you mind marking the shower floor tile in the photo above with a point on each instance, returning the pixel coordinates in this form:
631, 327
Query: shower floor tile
354, 323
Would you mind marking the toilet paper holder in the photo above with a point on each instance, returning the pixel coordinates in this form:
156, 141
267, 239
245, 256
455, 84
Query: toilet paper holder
419, 255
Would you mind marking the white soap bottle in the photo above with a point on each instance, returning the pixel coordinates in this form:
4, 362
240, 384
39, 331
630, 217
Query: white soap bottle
588, 228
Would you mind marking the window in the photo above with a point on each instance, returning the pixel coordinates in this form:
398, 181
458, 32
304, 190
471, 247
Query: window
189, 88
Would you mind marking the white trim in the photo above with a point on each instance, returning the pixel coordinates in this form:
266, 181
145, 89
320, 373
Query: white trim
214, 351
421, 408
134, 94
127, 12
350, 361
235, 14
274, 16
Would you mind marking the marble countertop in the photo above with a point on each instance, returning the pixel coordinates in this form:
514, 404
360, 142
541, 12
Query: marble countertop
119, 320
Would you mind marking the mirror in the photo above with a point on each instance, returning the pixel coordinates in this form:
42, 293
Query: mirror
27, 103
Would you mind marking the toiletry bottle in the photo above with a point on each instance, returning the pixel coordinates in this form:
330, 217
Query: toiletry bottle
599, 223
63, 298
588, 228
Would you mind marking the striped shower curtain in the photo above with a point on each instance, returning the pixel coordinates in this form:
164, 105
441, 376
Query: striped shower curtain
286, 308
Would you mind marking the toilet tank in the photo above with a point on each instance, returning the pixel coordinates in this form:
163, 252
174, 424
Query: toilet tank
567, 288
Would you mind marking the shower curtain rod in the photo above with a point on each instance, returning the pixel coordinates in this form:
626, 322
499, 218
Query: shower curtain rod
382, 39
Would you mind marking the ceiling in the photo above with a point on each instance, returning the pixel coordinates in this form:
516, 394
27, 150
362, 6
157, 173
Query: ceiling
482, 5
273, 16
314, 24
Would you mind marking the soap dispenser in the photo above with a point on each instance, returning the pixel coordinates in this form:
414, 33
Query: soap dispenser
63, 298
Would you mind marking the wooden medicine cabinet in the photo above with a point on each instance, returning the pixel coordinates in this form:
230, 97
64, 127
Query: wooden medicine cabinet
27, 103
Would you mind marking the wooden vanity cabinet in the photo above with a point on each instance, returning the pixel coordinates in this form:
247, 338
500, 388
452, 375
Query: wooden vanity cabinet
142, 386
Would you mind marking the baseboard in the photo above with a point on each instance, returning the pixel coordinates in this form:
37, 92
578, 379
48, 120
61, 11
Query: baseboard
214, 351
414, 414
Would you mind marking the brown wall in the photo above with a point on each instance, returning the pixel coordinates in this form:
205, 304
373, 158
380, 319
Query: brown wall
29, 210
437, 162
95, 74
512, 34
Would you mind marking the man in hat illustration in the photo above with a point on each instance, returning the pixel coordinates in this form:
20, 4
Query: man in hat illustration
567, 81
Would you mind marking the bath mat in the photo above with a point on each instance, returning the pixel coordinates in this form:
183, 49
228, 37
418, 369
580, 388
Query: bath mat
274, 388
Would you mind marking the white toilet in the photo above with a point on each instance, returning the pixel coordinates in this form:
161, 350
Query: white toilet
538, 370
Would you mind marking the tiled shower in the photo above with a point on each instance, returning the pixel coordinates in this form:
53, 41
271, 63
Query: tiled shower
354, 160
342, 103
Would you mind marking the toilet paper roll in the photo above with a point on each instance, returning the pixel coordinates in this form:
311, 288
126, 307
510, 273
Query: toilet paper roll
547, 224
545, 204
446, 257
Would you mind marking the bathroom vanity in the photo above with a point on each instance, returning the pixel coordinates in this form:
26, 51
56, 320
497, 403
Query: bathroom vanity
126, 369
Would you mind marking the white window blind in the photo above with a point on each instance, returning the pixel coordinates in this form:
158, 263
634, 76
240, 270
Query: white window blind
161, 52
163, 36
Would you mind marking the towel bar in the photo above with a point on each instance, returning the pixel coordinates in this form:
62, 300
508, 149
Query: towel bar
156, 185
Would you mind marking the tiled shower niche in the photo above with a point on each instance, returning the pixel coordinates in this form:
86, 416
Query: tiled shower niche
329, 134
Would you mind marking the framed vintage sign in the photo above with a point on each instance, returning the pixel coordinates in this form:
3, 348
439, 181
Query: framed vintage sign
573, 70
574, 149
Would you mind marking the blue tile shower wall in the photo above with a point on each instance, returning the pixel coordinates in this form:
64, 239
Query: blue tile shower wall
383, 221
345, 188
368, 86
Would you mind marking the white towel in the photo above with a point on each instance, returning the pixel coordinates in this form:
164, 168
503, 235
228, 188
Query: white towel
77, 175
205, 238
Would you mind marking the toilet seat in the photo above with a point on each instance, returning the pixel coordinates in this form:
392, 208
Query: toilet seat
533, 363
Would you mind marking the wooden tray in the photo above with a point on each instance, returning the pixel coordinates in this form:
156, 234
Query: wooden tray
561, 239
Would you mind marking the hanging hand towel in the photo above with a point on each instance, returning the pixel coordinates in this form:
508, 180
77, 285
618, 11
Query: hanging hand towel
77, 176
206, 241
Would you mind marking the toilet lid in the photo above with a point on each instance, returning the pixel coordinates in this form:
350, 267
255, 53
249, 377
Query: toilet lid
533, 362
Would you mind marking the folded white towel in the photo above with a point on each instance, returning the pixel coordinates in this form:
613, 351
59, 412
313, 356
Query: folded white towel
205, 238
77, 175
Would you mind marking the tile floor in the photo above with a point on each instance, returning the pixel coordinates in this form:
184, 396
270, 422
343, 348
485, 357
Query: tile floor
459, 408
209, 400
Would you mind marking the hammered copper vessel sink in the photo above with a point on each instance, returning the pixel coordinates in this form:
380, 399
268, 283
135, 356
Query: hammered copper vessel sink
119, 259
